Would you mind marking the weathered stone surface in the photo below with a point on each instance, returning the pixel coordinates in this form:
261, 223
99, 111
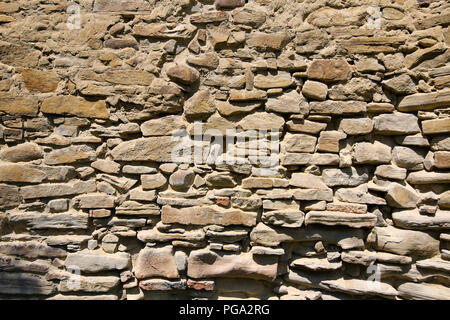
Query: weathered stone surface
183, 74
301, 143
361, 287
442, 159
391, 172
156, 262
424, 177
284, 218
368, 153
31, 250
76, 106
315, 90
307, 181
20, 173
273, 41
22, 153
153, 181
125, 77
57, 189
329, 70
412, 219
89, 284
401, 85
423, 291
200, 106
97, 261
334, 218
424, 101
350, 177
316, 264
70, 154
406, 242
407, 158
280, 80
18, 105
338, 107
289, 102
262, 121
399, 196
436, 126
272, 237
396, 123
208, 264
25, 284
55, 221
157, 149
356, 126
208, 215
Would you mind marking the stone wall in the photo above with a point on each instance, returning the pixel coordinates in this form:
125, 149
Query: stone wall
113, 116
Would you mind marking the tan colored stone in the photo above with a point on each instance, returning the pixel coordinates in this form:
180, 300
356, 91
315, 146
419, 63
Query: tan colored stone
20, 173
207, 215
273, 41
436, 126
329, 70
315, 90
18, 105
425, 101
129, 77
200, 106
280, 80
156, 262
76, 106
183, 74
208, 264
334, 218
38, 80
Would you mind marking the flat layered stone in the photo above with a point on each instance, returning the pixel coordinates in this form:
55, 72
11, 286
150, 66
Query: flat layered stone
200, 106
356, 126
22, 153
320, 159
21, 173
76, 106
262, 121
18, 105
315, 264
123, 6
157, 149
313, 195
272, 41
361, 287
338, 107
163, 285
25, 284
163, 31
209, 17
329, 70
280, 80
436, 126
94, 201
207, 215
54, 221
94, 284
54, 190
30, 250
134, 208
442, 159
307, 181
425, 101
154, 235
396, 124
72, 154
334, 218
208, 264
425, 177
305, 126
284, 218
9, 196
391, 172
272, 237
14, 264
156, 262
97, 261
405, 242
412, 219
301, 143
423, 291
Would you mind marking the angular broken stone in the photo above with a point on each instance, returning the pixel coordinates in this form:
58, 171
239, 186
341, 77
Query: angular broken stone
315, 90
72, 154
412, 219
424, 101
21, 173
399, 196
368, 153
330, 107
280, 80
289, 102
183, 74
153, 181
200, 106
55, 221
272, 41
361, 287
350, 177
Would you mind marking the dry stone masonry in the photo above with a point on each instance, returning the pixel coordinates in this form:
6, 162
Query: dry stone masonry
114, 116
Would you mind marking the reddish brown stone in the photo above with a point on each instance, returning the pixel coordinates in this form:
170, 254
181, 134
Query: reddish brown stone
183, 74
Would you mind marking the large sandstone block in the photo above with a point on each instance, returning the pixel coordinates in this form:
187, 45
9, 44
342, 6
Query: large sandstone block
368, 153
31, 250
76, 106
208, 215
20, 173
156, 262
405, 242
273, 41
329, 70
57, 189
157, 149
338, 107
208, 264
436, 126
97, 261
412, 219
396, 123
18, 105
39, 80
55, 221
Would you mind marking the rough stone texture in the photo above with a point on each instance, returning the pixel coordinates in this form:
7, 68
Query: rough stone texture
224, 149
